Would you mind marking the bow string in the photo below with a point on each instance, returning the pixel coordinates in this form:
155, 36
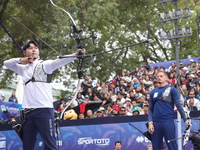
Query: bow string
77, 38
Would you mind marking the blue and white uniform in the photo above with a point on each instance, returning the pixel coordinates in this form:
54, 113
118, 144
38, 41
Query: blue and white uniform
37, 96
161, 113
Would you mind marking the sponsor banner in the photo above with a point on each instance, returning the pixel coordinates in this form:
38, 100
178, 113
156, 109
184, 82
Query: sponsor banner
7, 109
91, 137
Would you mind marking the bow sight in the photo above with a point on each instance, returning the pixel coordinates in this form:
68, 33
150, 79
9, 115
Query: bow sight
78, 40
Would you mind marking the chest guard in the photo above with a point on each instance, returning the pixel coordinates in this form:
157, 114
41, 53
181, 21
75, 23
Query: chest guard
166, 95
39, 75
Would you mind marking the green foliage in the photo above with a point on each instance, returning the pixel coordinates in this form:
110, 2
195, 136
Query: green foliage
117, 23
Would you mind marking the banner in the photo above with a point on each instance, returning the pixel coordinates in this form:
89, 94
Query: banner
8, 109
92, 137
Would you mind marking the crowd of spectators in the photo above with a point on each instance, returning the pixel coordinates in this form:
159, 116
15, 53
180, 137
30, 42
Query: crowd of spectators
129, 93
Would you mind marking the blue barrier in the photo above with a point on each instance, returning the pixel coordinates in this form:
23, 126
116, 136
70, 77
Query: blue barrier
94, 134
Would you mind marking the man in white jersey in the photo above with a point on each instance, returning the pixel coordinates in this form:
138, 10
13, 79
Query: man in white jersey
37, 100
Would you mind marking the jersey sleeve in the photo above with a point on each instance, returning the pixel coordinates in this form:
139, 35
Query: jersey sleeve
176, 98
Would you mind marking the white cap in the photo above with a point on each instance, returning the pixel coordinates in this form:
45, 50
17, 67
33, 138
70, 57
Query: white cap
184, 68
128, 99
99, 88
191, 75
101, 108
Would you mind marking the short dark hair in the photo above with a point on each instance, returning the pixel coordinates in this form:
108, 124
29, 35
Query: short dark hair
118, 142
122, 108
27, 44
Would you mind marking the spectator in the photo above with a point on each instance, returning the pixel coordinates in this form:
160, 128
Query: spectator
100, 93
191, 81
139, 90
184, 71
172, 67
134, 104
191, 105
81, 116
123, 92
141, 101
149, 147
99, 113
120, 97
181, 65
104, 88
136, 111
89, 114
122, 111
113, 96
86, 99
151, 76
162, 69
151, 71
141, 81
71, 104
106, 99
182, 80
121, 85
146, 65
193, 93
128, 86
116, 105
147, 97
103, 110
172, 78
194, 101
96, 99
96, 87
2, 97
118, 145
137, 98
145, 109
114, 114
192, 65
62, 104
86, 84
13, 98
184, 90
128, 105
147, 82
79, 98
132, 95
111, 87
197, 88
136, 83
155, 84
89, 93
109, 110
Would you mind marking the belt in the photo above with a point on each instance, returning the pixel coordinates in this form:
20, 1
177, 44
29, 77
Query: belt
27, 110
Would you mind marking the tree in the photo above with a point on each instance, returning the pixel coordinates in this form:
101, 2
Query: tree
117, 24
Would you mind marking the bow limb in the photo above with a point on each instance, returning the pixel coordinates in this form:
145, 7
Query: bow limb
17, 44
64, 11
187, 130
73, 99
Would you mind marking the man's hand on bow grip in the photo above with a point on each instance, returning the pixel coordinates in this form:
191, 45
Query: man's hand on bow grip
27, 60
81, 52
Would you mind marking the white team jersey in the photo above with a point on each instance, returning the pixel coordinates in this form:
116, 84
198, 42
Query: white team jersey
36, 94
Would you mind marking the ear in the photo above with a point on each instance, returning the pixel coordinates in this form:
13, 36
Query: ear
24, 52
